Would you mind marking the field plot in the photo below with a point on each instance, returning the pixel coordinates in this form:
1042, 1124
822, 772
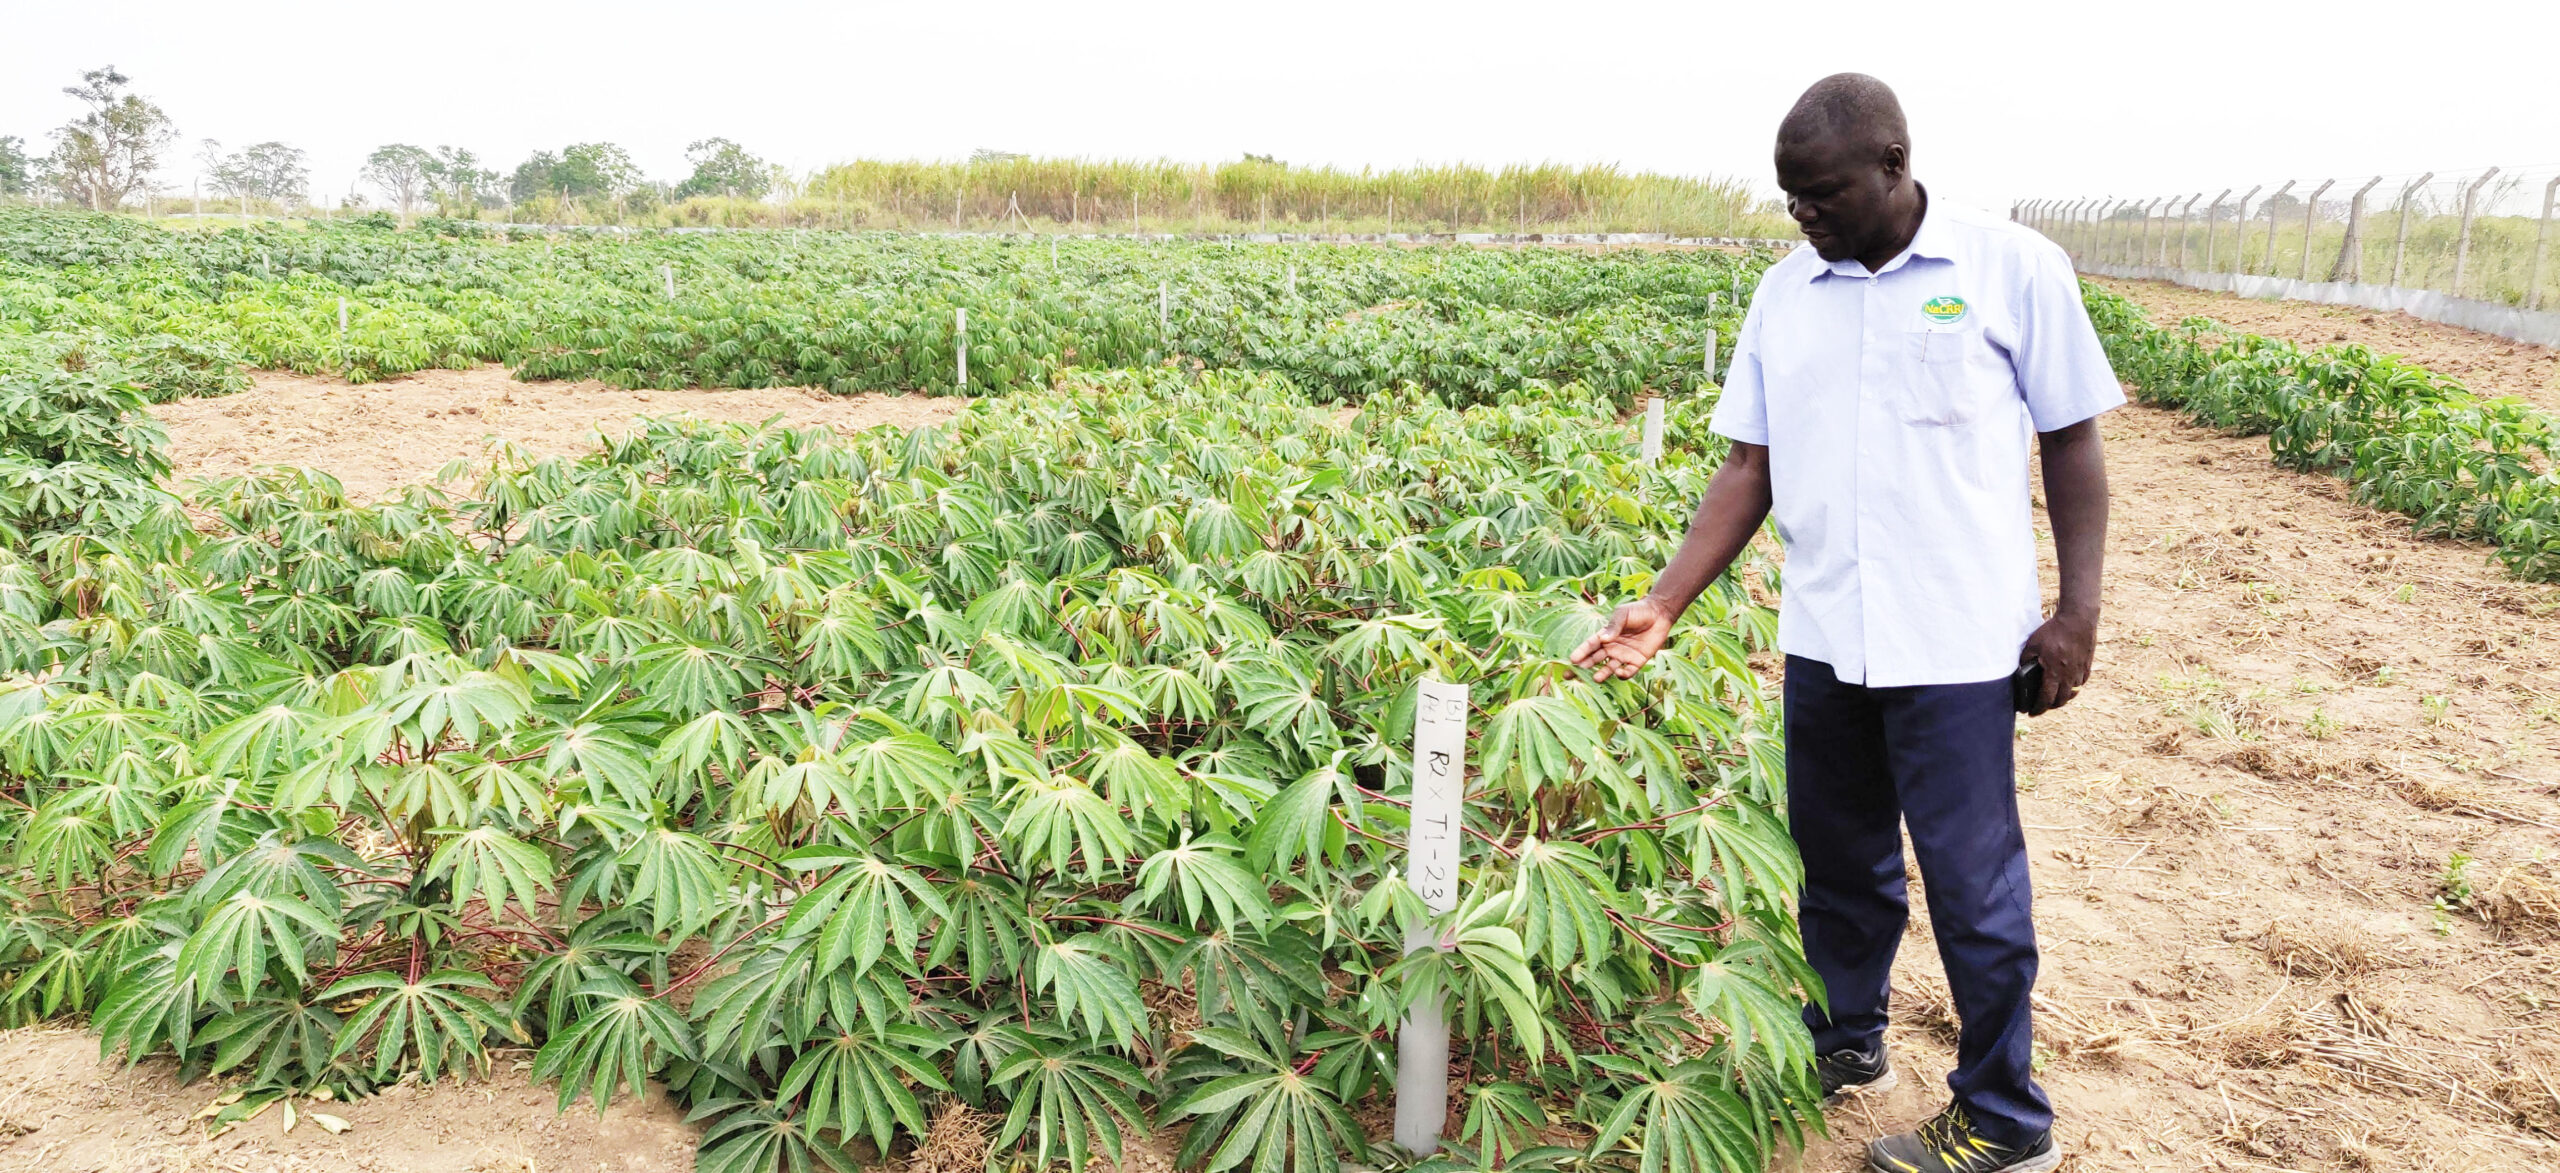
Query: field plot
1029, 787
378, 437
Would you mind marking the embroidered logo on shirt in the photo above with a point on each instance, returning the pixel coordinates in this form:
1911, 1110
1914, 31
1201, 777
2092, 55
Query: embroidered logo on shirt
1944, 309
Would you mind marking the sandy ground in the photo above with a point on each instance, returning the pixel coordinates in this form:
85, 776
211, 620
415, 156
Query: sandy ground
2486, 363
376, 437
2320, 758
63, 1111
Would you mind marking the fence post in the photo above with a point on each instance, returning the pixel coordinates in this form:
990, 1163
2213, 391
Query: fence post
2186, 217
1431, 870
2269, 208
2350, 264
2240, 232
2212, 222
2400, 243
2541, 244
2462, 243
2311, 216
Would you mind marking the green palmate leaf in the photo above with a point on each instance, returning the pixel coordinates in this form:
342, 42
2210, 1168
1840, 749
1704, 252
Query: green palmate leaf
1739, 842
857, 1083
678, 876
1733, 991
1060, 821
619, 1039
1209, 872
1092, 985
1255, 1107
1065, 1092
1689, 1121
866, 907
762, 1136
490, 865
432, 1022
277, 1039
1565, 897
243, 932
1298, 823
1502, 1118
1535, 741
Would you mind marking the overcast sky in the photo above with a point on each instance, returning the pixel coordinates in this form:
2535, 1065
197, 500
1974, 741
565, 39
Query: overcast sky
2007, 100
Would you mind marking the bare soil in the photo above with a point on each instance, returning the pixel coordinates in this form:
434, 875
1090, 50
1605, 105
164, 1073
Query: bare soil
62, 1110
2486, 363
2293, 853
377, 437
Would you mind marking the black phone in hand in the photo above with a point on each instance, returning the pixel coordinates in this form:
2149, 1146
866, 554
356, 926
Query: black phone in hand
2026, 689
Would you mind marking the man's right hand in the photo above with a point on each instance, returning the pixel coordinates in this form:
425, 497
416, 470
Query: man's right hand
1631, 638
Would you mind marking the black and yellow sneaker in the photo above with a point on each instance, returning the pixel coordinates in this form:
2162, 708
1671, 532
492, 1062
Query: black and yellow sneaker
1948, 1144
1848, 1071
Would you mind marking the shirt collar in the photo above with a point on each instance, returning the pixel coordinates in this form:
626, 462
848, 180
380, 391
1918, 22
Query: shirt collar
1930, 242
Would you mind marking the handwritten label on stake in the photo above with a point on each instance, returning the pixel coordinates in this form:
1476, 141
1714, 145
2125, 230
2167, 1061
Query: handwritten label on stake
1653, 430
1431, 869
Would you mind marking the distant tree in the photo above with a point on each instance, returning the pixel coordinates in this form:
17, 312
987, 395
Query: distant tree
17, 171
721, 167
400, 170
109, 153
596, 171
457, 181
533, 177
260, 171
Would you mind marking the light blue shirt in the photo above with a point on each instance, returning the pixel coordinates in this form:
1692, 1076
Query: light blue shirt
1896, 407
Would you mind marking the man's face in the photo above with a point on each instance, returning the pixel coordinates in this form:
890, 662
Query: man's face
1839, 192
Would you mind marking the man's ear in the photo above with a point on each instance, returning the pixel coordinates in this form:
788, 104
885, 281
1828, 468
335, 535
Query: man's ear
1896, 161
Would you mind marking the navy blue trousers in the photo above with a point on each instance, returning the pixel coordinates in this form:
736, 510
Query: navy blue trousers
1862, 762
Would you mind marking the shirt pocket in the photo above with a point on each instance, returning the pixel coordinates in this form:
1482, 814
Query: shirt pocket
1942, 377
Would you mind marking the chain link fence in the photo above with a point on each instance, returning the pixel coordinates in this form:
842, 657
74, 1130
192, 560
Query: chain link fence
2480, 235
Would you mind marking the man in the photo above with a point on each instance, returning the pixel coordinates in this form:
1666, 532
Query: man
1880, 397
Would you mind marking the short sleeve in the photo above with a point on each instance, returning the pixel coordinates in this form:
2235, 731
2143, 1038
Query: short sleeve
2062, 368
1742, 408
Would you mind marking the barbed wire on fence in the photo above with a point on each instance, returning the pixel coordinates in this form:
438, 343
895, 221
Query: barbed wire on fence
2481, 233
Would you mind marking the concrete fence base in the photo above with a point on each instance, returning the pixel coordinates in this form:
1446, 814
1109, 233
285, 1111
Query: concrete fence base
2539, 327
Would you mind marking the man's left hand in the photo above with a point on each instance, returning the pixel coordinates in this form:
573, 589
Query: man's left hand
2064, 645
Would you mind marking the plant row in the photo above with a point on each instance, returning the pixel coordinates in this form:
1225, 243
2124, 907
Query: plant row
863, 312
2409, 440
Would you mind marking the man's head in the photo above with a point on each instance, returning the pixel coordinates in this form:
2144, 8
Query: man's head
1844, 160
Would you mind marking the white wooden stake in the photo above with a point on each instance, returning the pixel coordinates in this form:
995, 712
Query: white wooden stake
1711, 352
1293, 278
1053, 254
1653, 430
1431, 868
961, 349
342, 316
669, 272
1164, 306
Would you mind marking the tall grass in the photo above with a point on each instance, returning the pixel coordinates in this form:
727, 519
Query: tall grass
1121, 195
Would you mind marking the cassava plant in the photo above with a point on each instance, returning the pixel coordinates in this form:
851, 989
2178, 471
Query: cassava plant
1051, 761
